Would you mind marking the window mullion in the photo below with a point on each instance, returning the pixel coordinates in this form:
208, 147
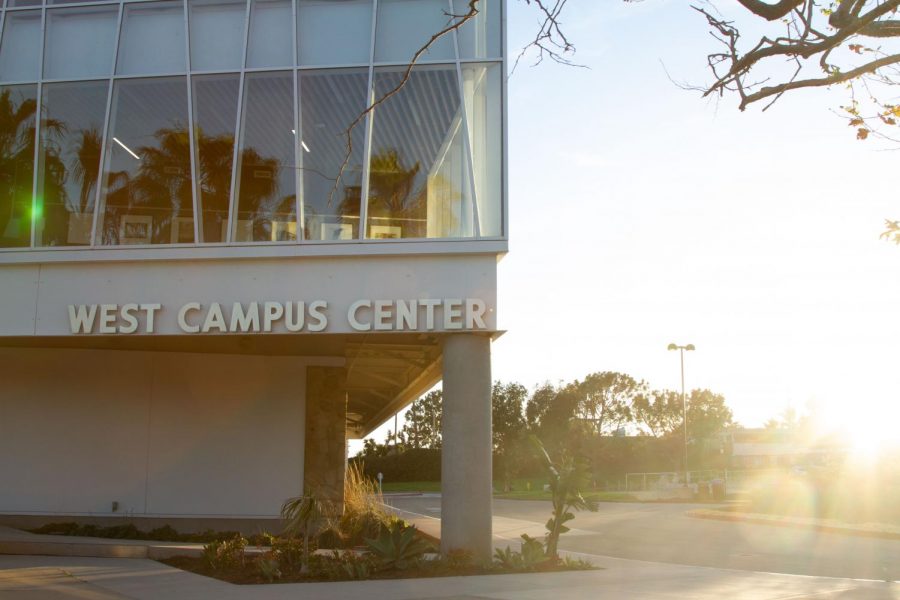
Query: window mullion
367, 143
106, 121
192, 149
235, 164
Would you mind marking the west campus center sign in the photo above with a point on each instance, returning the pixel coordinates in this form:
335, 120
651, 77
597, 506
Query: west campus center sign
427, 314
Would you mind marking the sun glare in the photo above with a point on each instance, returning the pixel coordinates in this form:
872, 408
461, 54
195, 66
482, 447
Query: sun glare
866, 429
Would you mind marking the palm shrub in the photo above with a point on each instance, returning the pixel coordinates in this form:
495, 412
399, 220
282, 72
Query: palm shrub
306, 516
569, 477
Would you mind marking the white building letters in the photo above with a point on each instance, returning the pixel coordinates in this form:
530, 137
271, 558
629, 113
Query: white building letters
426, 314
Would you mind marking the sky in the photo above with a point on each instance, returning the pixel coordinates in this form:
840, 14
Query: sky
642, 214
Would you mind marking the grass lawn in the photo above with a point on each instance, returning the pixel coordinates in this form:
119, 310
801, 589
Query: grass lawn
522, 489
541, 495
410, 486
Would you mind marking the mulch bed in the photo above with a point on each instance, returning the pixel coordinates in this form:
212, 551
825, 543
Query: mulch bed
250, 574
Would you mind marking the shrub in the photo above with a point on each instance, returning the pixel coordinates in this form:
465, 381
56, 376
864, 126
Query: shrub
341, 565
414, 464
225, 555
288, 552
364, 511
164, 534
269, 568
529, 558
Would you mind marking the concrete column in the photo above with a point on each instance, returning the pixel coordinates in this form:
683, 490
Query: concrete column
326, 431
466, 445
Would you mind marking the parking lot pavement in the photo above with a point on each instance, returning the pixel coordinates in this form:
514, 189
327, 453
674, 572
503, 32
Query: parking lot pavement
665, 533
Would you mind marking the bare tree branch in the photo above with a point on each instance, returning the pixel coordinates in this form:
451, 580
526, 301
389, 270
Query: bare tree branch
770, 12
454, 23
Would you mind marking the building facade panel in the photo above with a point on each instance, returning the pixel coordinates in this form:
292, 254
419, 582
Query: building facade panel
156, 433
159, 291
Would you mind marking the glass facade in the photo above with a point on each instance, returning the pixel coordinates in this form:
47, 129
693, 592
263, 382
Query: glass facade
161, 122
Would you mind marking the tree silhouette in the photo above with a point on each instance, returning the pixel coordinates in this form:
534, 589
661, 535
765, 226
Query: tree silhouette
161, 187
17, 116
391, 188
85, 167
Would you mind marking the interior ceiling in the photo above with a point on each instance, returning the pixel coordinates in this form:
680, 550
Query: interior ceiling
383, 378
385, 371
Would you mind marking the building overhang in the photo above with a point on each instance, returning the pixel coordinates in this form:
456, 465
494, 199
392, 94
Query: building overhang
385, 371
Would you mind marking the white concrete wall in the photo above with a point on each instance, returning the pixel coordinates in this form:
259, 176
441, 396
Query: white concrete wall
35, 299
161, 433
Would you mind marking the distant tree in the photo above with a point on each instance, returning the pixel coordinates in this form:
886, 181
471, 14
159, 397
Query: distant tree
423, 421
707, 414
657, 412
538, 404
372, 449
787, 420
605, 398
509, 426
550, 412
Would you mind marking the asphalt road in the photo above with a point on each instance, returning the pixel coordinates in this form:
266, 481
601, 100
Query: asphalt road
663, 533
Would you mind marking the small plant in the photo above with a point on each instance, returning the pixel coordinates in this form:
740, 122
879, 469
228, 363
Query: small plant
459, 558
288, 552
353, 566
398, 546
569, 477
531, 557
342, 565
508, 559
577, 564
533, 554
269, 568
225, 555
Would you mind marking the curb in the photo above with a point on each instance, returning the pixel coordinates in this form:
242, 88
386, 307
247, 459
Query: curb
733, 517
95, 550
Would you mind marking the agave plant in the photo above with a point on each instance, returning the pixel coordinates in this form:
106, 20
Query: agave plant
398, 545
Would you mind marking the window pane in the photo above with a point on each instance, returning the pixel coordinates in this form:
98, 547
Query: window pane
215, 111
71, 130
479, 37
418, 174
267, 201
147, 175
404, 26
329, 102
483, 93
217, 34
17, 107
271, 38
20, 51
24, 3
80, 42
71, 1
334, 32
152, 39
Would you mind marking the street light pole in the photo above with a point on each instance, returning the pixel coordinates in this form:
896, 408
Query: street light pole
681, 350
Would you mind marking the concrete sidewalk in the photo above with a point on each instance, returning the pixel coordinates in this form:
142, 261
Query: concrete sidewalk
16, 541
68, 578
